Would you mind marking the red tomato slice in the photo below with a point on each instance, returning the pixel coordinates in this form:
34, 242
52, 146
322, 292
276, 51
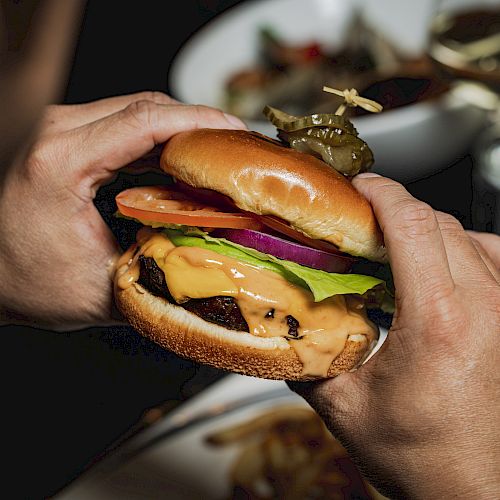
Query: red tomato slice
163, 204
284, 228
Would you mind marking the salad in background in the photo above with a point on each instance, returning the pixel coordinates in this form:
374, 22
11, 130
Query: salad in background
291, 76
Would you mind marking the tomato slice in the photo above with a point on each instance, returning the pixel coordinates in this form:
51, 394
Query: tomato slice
283, 227
163, 204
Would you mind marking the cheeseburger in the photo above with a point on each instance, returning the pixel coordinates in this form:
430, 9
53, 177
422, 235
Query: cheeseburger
244, 258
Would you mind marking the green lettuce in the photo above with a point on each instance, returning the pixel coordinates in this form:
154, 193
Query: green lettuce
321, 283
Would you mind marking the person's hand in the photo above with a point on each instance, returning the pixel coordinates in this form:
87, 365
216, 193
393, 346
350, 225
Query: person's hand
56, 252
421, 417
489, 243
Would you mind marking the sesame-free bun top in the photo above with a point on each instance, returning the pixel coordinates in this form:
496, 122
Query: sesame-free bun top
266, 178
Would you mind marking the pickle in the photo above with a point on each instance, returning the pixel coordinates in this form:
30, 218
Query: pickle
291, 123
347, 154
330, 137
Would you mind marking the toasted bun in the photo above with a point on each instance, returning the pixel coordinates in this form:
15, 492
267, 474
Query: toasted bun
189, 336
266, 178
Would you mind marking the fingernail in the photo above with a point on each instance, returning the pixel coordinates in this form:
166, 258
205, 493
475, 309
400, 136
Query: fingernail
233, 120
367, 175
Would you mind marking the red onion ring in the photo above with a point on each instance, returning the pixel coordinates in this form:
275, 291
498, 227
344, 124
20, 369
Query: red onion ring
287, 250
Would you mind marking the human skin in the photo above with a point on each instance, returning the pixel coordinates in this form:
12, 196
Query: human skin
421, 417
56, 252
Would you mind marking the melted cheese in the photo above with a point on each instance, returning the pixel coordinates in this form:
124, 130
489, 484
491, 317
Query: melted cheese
265, 299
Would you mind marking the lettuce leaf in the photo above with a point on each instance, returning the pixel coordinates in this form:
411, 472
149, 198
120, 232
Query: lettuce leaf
321, 283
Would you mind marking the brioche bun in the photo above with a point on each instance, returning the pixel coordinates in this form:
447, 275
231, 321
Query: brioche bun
264, 177
189, 336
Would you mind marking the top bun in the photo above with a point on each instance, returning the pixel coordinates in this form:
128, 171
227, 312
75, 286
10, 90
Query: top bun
264, 177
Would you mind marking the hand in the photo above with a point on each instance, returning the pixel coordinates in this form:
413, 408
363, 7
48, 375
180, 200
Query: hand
489, 244
421, 417
56, 252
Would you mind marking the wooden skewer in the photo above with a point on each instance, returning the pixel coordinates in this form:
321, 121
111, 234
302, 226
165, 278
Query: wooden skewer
353, 99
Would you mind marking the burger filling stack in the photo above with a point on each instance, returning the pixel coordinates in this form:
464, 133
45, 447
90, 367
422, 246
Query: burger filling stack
245, 257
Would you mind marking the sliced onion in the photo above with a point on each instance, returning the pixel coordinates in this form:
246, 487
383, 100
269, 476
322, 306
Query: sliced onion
281, 226
287, 250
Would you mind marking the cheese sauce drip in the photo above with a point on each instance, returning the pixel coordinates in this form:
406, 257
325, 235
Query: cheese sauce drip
265, 298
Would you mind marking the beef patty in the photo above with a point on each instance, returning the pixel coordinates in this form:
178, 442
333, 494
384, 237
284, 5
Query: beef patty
223, 311
220, 310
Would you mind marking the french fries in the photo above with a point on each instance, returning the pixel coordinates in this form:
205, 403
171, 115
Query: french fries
288, 453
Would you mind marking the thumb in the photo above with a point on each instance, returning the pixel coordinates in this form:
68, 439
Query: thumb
95, 151
329, 398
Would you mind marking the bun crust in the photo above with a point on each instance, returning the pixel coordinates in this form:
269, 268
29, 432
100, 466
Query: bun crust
263, 177
189, 336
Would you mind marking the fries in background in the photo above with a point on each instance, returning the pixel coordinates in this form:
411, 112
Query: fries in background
287, 453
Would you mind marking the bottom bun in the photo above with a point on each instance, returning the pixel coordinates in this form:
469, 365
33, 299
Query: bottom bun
189, 336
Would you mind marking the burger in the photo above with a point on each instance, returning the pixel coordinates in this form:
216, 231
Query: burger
244, 258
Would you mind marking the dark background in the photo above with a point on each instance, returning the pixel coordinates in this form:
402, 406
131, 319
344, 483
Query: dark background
68, 396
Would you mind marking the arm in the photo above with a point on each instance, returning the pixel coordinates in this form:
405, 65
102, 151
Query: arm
421, 417
56, 252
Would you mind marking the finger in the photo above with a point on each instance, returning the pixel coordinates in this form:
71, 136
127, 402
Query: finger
490, 243
333, 399
413, 239
314, 394
60, 118
488, 246
97, 150
466, 264
494, 270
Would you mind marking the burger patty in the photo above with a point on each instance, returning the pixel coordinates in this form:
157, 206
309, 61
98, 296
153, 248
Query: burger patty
223, 311
220, 310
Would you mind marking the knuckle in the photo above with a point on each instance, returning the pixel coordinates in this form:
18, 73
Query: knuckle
199, 111
449, 316
37, 158
34, 167
153, 96
202, 112
142, 113
445, 315
415, 218
449, 223
43, 165
452, 230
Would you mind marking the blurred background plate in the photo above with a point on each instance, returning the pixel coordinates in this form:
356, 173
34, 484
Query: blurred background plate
203, 448
180, 462
246, 431
409, 142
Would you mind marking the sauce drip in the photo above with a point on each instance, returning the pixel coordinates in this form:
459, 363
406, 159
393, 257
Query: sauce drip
266, 300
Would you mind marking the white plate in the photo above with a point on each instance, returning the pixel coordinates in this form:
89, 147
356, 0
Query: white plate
182, 466
171, 458
408, 143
